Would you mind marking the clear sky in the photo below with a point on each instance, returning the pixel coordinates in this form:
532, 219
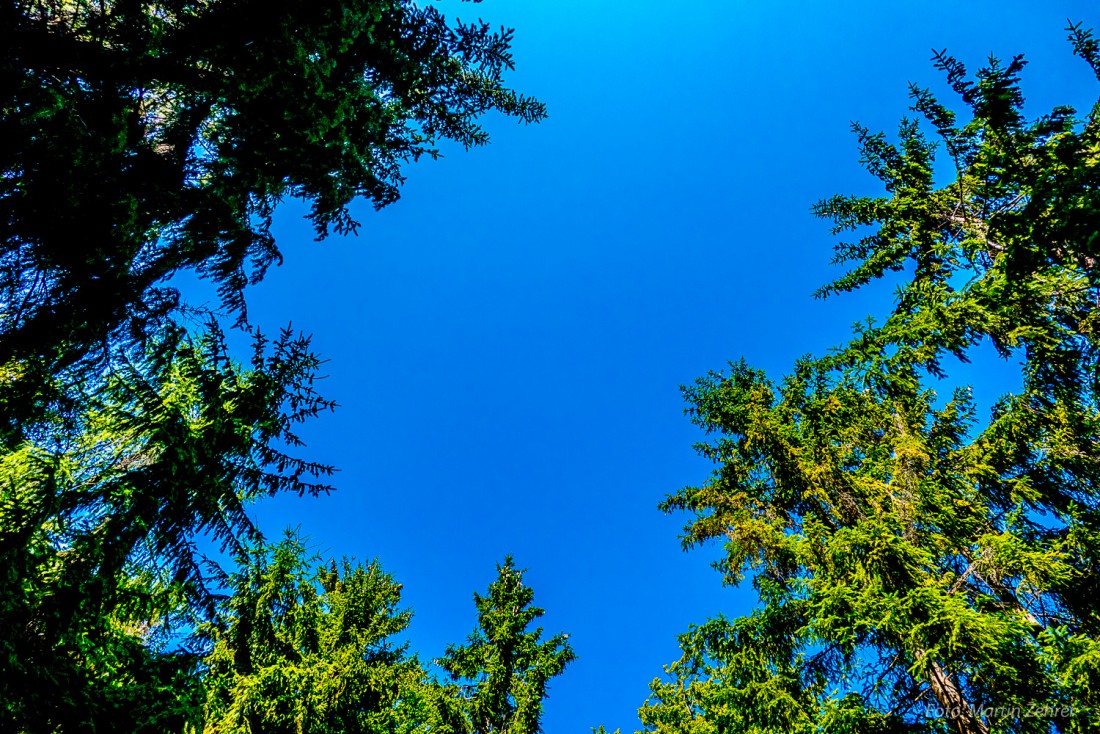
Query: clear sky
507, 341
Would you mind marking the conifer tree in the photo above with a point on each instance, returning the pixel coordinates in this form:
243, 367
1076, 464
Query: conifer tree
145, 139
99, 516
921, 567
501, 675
142, 140
300, 648
305, 648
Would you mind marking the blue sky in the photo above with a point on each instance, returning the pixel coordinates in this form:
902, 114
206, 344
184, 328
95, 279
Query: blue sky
506, 342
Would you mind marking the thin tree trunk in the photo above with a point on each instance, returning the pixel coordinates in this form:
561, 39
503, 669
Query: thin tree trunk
963, 718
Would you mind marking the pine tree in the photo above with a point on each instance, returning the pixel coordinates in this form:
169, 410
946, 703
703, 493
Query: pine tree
304, 648
99, 516
501, 675
144, 139
921, 568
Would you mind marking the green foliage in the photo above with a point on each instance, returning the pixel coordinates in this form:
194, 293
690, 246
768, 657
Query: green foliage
918, 569
503, 671
99, 515
143, 139
303, 649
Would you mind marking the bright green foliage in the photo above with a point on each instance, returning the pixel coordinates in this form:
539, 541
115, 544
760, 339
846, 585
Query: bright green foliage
307, 649
302, 649
146, 138
503, 671
99, 513
920, 569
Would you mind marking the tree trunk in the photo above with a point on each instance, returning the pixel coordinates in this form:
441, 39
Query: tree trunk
951, 699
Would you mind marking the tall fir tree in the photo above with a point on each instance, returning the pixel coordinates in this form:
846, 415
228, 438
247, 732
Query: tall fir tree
921, 568
303, 648
143, 139
100, 515
501, 675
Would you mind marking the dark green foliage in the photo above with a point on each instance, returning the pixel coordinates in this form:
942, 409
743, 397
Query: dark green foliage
920, 569
98, 517
504, 669
142, 139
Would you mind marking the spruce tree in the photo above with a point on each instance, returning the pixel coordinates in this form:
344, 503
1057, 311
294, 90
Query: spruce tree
142, 140
100, 515
145, 139
920, 566
501, 675
300, 647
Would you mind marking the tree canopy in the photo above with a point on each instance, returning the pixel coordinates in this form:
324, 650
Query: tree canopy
141, 141
145, 139
309, 648
501, 675
920, 568
306, 649
100, 516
